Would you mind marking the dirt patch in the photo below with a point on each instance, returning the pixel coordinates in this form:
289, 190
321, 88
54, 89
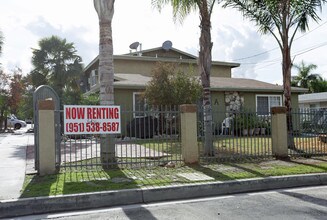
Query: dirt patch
291, 162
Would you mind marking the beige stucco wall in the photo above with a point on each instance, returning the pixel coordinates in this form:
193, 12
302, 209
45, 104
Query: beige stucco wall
250, 99
318, 105
146, 67
295, 100
124, 98
221, 71
279, 132
323, 104
218, 106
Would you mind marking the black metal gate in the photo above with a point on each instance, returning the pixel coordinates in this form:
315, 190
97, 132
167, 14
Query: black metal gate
309, 132
150, 139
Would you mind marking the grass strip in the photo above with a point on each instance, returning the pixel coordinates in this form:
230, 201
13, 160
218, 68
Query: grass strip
70, 181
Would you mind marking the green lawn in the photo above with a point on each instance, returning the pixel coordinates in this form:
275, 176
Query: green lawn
69, 181
261, 146
80, 180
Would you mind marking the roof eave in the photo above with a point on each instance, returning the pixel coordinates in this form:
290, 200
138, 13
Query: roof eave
159, 48
230, 89
122, 86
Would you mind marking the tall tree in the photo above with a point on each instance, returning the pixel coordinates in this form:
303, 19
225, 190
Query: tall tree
4, 98
3, 90
17, 89
170, 87
305, 77
282, 19
56, 63
181, 8
105, 11
319, 85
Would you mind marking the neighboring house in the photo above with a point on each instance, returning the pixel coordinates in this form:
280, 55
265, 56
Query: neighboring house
133, 72
313, 100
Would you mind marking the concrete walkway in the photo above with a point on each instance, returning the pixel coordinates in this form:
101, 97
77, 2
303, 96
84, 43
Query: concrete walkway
13, 163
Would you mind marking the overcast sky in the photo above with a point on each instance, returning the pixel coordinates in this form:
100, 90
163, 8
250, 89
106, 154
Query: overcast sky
23, 23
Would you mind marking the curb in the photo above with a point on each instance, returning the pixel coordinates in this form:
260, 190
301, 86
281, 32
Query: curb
39, 205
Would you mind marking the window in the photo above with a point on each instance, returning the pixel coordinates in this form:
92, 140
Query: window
93, 78
314, 106
265, 102
139, 105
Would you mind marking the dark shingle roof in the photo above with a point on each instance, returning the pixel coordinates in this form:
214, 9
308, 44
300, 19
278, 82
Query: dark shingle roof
217, 84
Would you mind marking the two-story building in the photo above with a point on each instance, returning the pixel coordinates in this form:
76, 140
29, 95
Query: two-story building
133, 72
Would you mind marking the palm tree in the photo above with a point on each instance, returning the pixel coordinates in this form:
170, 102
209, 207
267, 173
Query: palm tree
282, 19
181, 8
105, 11
56, 63
319, 85
305, 78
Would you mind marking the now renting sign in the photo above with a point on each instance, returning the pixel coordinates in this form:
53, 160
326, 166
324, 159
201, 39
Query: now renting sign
90, 119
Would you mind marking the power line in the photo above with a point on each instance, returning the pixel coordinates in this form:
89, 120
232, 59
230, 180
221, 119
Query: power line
312, 48
262, 53
303, 51
256, 55
262, 67
306, 33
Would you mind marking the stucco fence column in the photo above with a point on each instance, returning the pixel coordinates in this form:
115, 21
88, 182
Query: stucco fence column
190, 150
47, 153
279, 132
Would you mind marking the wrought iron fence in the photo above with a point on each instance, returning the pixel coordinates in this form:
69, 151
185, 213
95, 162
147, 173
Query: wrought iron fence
309, 132
237, 135
150, 139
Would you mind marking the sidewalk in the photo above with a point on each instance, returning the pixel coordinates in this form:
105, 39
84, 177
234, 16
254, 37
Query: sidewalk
13, 163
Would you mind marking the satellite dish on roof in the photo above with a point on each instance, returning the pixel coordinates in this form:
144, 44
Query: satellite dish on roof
167, 45
134, 45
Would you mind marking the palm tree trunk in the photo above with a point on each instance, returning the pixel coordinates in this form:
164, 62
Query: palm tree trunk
105, 10
287, 65
204, 69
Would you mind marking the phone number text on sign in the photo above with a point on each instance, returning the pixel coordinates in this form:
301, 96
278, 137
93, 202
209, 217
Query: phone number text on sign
80, 119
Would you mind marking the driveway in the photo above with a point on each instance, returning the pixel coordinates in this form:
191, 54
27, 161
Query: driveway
13, 163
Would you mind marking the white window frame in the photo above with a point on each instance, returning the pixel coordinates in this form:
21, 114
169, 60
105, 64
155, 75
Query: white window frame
267, 95
134, 104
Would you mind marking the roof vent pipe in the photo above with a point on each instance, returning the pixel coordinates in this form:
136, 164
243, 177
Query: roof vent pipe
140, 53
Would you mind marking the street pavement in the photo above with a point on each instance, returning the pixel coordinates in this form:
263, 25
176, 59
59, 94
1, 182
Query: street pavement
297, 203
13, 162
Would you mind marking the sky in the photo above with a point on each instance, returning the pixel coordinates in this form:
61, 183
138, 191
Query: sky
235, 39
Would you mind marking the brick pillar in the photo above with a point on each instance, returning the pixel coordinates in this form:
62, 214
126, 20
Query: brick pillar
279, 132
190, 150
47, 155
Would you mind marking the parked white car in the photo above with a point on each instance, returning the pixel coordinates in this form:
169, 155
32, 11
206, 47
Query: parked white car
14, 122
